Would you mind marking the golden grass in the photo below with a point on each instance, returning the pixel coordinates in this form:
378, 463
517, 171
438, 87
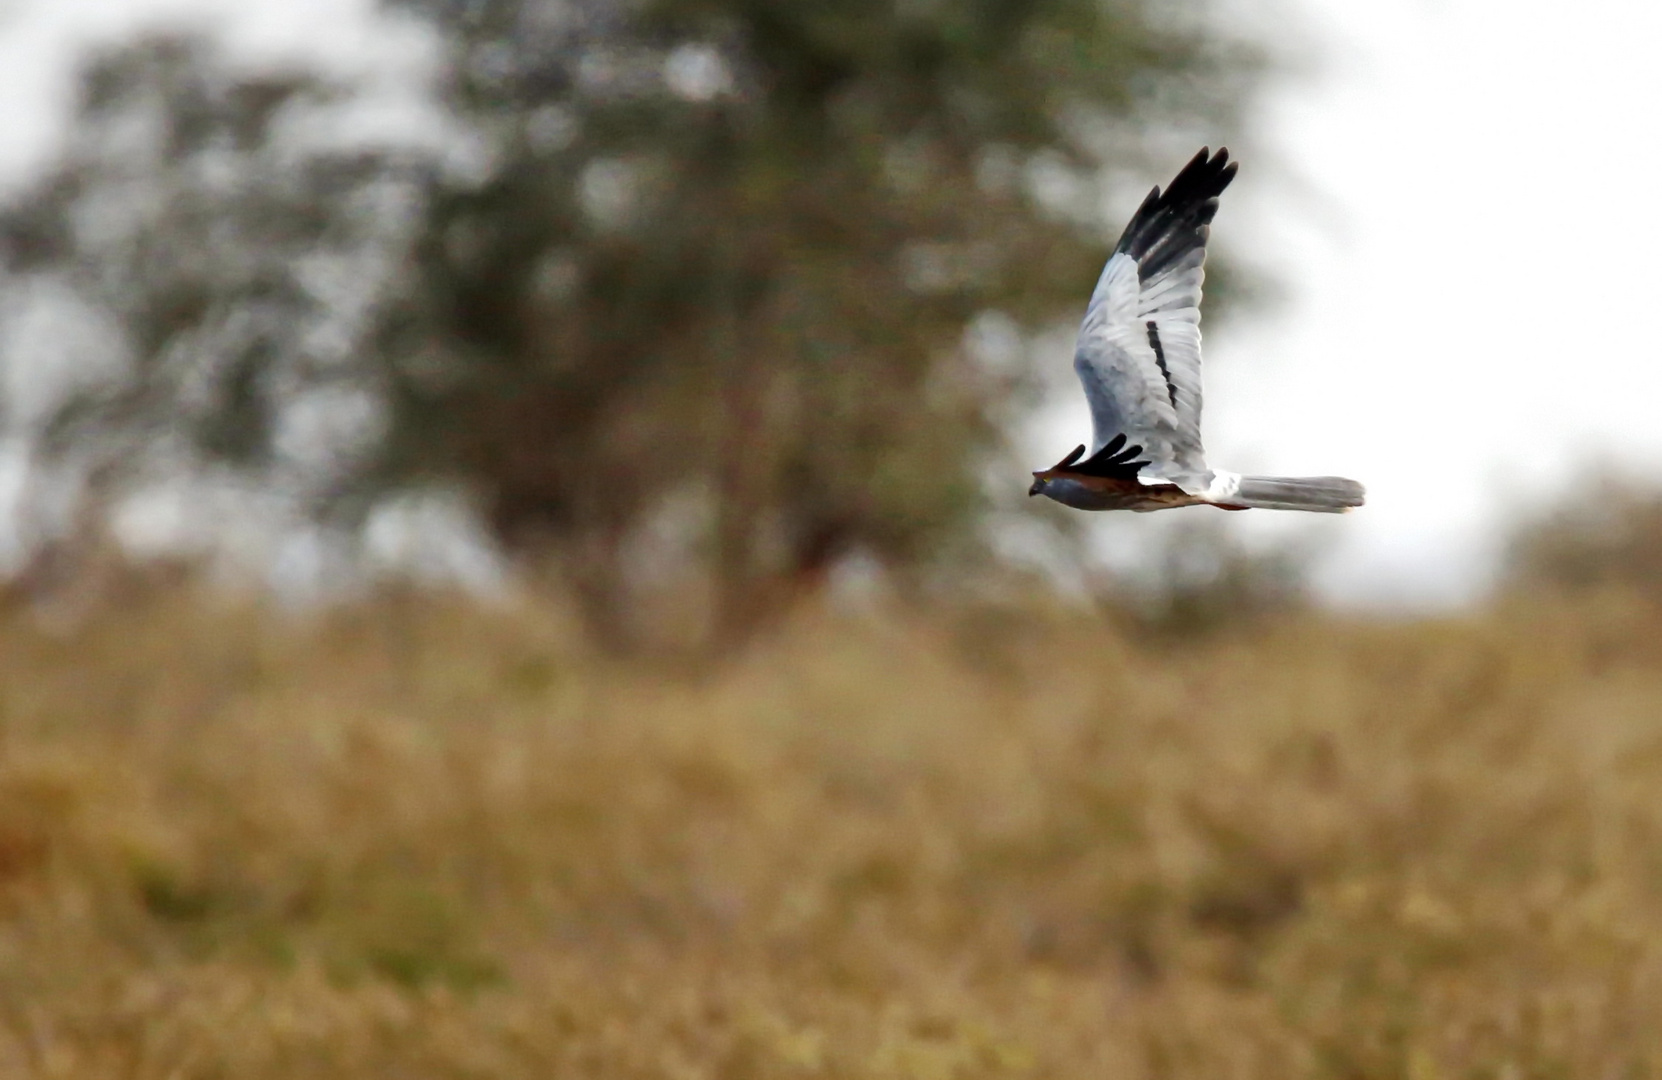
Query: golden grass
426, 840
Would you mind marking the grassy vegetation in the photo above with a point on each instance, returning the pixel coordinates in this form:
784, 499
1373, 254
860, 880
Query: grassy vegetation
419, 839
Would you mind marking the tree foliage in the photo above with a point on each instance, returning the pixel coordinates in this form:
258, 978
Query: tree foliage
1599, 536
680, 283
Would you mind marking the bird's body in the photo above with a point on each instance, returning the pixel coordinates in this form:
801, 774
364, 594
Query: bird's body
1103, 493
1138, 358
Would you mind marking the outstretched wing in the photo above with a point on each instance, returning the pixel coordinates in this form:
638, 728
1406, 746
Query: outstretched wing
1138, 353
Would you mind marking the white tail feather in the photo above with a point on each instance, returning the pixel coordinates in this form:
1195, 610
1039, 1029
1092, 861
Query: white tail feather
1317, 494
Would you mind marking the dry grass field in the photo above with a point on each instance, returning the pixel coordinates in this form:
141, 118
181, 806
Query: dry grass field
421, 839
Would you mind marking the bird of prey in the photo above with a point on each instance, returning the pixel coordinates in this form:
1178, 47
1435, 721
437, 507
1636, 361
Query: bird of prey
1138, 355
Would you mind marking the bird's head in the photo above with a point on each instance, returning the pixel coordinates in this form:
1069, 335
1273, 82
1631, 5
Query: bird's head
1040, 482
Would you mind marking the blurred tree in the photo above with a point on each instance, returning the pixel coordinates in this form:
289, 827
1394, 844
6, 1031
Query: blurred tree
1207, 580
1606, 537
685, 285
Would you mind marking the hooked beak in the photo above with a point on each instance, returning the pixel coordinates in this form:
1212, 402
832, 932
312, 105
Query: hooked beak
1037, 488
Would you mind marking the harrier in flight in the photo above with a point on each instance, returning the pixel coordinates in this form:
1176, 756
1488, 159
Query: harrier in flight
1139, 357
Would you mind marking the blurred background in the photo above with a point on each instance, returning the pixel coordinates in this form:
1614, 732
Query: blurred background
514, 555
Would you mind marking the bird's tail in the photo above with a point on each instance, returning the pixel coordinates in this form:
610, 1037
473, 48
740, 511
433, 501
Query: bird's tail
1318, 494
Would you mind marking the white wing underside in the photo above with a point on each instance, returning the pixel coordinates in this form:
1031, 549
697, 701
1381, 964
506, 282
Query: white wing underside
1145, 384
1138, 357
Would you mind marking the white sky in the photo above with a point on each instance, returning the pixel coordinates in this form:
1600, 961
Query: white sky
1458, 205
1469, 271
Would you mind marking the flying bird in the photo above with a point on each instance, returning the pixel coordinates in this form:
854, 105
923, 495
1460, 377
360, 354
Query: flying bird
1138, 356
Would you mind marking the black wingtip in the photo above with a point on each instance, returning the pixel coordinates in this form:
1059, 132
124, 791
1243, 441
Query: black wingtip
1115, 460
1173, 222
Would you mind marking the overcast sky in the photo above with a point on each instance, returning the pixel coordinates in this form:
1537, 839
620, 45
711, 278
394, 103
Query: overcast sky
1458, 206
